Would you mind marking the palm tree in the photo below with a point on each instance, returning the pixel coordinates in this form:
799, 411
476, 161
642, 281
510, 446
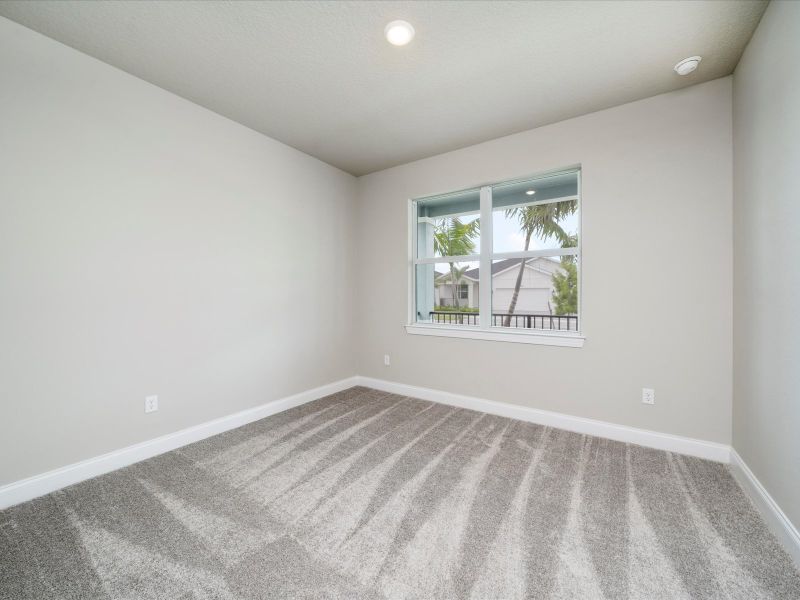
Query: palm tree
452, 237
542, 220
455, 279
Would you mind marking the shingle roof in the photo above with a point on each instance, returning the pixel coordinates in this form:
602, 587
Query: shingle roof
497, 267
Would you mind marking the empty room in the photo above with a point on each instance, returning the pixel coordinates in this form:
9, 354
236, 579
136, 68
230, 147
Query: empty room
419, 300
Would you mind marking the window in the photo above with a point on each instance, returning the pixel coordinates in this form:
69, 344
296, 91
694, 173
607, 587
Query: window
499, 262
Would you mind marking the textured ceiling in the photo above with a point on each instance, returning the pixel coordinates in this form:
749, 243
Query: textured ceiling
319, 76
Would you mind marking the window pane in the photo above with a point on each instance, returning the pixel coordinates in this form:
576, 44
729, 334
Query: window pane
449, 225
447, 293
535, 293
538, 214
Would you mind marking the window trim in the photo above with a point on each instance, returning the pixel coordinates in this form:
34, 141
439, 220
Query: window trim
541, 337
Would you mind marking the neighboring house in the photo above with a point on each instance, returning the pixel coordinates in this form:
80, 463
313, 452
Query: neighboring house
535, 294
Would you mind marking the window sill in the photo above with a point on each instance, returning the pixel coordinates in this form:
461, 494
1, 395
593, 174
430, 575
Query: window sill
570, 340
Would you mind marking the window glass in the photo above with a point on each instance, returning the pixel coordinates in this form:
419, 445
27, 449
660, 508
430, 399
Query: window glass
449, 225
532, 264
535, 293
536, 214
448, 293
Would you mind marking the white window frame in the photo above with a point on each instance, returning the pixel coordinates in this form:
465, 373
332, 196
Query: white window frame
573, 339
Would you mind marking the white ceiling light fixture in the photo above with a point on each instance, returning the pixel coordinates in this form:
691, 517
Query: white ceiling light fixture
530, 192
687, 65
399, 33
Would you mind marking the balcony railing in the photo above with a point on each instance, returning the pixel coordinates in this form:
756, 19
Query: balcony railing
545, 322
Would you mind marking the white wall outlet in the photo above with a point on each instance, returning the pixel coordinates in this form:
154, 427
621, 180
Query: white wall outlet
386, 360
648, 396
151, 404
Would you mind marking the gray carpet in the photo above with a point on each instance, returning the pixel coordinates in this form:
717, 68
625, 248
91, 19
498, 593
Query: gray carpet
368, 495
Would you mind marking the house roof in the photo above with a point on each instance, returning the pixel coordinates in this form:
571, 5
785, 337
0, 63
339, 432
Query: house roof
497, 267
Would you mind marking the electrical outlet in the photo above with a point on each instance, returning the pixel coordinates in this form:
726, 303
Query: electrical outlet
386, 360
151, 404
648, 396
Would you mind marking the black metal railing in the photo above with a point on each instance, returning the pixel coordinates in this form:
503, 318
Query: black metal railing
546, 322
456, 318
556, 322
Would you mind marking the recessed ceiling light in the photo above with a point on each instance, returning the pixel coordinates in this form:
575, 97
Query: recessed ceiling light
530, 192
399, 33
687, 65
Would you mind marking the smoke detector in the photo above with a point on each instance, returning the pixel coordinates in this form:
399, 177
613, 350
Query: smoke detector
687, 65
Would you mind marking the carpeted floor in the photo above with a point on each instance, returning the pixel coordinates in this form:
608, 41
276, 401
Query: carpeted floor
368, 495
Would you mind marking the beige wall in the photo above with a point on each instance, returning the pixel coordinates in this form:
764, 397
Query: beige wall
149, 246
766, 407
657, 211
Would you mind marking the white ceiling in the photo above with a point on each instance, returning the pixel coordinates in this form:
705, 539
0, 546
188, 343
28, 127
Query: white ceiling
320, 76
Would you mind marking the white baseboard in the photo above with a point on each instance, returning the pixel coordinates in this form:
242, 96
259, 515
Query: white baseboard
39, 485
776, 519
622, 433
42, 484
